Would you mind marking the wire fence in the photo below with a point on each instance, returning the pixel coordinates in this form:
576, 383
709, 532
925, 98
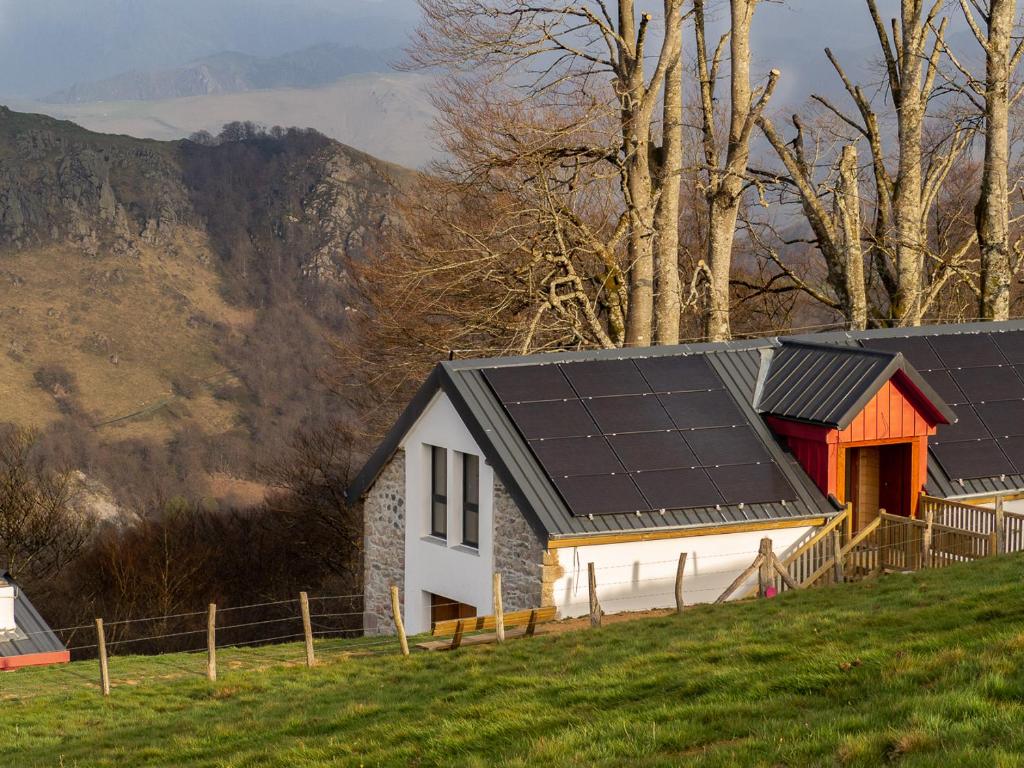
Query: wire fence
326, 628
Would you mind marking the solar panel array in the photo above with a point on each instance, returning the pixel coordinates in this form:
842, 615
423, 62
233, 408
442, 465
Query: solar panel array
981, 375
623, 436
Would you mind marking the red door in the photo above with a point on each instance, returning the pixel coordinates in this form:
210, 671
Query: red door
894, 475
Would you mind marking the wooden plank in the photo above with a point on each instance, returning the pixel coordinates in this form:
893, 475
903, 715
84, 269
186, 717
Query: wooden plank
750, 571
482, 623
616, 538
784, 574
822, 532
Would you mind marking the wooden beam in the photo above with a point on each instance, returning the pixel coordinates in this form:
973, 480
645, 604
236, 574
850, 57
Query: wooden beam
622, 538
754, 566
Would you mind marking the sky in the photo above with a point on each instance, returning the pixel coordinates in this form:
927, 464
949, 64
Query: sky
47, 45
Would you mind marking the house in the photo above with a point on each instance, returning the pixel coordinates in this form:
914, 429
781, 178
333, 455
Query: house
537, 466
25, 639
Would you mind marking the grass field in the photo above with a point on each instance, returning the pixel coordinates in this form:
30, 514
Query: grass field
918, 670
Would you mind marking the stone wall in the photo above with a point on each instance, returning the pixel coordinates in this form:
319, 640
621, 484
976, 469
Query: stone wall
518, 553
384, 544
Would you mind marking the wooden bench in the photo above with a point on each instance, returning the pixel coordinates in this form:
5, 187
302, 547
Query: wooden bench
522, 624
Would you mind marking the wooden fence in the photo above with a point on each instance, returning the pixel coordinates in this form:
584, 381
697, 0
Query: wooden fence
1007, 527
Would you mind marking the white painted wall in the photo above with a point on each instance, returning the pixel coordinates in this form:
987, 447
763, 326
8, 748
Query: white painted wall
640, 576
432, 565
6, 606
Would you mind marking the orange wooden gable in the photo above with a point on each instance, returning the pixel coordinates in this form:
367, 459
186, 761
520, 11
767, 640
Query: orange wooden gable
895, 414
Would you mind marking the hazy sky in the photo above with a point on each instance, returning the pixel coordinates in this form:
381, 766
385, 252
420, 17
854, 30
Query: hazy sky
46, 45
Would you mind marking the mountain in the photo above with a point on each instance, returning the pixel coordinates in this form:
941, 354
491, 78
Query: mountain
166, 307
45, 46
388, 115
232, 72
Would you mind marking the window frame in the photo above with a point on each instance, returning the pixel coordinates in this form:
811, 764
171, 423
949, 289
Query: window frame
470, 507
438, 497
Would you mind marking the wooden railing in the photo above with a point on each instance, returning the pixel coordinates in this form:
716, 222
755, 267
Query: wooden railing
1007, 526
811, 556
910, 545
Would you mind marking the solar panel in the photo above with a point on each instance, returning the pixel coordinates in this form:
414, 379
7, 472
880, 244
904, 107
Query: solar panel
968, 426
981, 385
600, 494
521, 383
944, 386
576, 456
653, 450
1013, 447
556, 418
594, 378
702, 409
915, 349
1001, 418
683, 488
972, 458
1011, 344
966, 350
726, 445
752, 483
632, 413
679, 374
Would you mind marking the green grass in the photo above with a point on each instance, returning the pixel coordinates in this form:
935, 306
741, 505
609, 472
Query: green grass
915, 670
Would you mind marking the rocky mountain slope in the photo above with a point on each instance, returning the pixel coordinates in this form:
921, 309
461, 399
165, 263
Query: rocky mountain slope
232, 72
165, 307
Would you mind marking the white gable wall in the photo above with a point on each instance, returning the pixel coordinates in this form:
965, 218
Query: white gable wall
444, 567
637, 576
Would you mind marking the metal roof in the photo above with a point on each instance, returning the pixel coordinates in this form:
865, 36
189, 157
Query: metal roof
33, 634
830, 384
743, 366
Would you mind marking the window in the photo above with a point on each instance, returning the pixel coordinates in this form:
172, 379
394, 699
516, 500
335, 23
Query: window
438, 492
470, 500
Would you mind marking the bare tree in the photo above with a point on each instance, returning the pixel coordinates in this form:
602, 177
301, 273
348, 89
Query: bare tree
569, 94
726, 173
837, 231
992, 212
40, 531
904, 198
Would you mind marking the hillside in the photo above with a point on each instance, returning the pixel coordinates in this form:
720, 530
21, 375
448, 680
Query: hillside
175, 293
917, 670
232, 72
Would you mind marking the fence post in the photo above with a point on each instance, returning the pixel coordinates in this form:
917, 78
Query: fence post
595, 606
1000, 526
837, 556
679, 582
499, 610
764, 571
101, 645
926, 540
307, 628
211, 642
848, 524
396, 611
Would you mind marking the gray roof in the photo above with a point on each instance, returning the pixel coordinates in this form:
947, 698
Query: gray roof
743, 366
830, 384
33, 634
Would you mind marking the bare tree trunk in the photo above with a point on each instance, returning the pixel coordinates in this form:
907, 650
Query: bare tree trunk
726, 183
668, 298
848, 218
992, 213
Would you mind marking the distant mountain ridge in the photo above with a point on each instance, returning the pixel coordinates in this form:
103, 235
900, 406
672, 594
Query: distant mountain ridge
233, 72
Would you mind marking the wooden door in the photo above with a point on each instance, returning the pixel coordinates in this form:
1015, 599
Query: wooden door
863, 484
445, 609
894, 492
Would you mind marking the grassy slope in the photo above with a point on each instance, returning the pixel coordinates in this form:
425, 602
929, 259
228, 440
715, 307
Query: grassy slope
914, 670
